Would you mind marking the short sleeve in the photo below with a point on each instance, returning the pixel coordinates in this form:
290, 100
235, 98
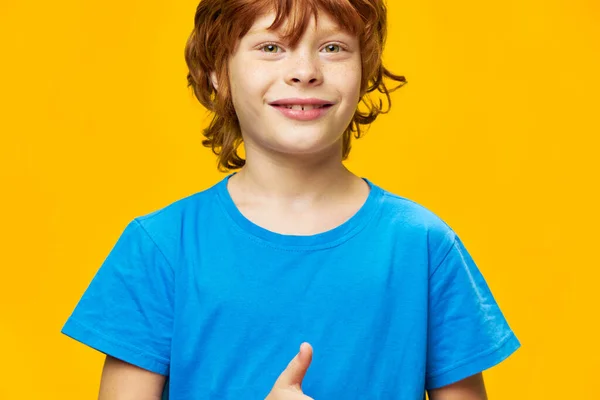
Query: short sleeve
467, 332
127, 309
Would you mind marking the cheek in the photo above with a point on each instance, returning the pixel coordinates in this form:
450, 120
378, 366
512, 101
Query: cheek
346, 77
249, 84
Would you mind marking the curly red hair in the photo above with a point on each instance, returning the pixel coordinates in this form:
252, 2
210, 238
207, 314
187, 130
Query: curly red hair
219, 24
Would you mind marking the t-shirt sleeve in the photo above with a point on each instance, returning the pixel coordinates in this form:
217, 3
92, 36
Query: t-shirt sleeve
127, 309
467, 332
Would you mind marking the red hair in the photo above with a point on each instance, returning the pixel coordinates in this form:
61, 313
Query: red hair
218, 26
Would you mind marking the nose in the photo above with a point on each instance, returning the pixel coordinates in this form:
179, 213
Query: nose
304, 70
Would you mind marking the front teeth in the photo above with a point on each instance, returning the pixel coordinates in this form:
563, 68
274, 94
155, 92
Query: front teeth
303, 107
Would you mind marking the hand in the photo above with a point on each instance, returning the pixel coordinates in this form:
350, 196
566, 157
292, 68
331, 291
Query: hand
289, 384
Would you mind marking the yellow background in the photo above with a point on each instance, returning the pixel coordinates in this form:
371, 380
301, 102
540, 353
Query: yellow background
496, 132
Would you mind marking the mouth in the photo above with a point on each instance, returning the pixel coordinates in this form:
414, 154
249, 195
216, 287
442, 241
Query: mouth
303, 112
302, 107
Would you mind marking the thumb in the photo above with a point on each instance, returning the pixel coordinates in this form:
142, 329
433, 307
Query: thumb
296, 369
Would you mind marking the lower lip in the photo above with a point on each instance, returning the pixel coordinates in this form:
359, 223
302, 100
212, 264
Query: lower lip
303, 115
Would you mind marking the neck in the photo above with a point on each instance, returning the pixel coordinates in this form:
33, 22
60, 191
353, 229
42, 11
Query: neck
288, 180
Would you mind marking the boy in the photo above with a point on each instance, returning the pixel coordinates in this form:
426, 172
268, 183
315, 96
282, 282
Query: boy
218, 290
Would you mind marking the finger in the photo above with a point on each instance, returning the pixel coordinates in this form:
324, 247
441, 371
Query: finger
296, 369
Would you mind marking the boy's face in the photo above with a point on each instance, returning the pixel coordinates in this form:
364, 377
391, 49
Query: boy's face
325, 64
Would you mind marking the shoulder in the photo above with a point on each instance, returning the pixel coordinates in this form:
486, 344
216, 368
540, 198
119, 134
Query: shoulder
177, 212
171, 225
406, 215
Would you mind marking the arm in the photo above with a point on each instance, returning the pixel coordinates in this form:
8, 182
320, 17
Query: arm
471, 388
124, 381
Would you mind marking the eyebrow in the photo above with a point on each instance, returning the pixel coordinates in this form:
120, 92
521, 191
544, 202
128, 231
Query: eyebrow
326, 32
258, 31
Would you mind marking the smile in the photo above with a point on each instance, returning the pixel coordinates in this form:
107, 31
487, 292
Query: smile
303, 106
303, 112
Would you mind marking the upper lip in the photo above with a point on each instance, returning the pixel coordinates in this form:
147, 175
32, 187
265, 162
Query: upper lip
298, 101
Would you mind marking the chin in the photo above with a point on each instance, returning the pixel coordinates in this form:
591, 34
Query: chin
306, 147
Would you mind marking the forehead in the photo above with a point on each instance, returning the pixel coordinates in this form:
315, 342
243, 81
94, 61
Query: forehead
266, 22
290, 20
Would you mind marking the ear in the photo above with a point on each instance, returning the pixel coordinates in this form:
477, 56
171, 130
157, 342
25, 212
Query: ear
213, 80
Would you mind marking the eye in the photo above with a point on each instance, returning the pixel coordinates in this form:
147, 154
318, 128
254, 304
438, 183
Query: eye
270, 48
333, 47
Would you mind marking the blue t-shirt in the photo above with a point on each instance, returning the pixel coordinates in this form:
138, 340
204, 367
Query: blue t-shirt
391, 302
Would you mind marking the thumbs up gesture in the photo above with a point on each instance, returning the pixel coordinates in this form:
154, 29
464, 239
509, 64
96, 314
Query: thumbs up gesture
289, 384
